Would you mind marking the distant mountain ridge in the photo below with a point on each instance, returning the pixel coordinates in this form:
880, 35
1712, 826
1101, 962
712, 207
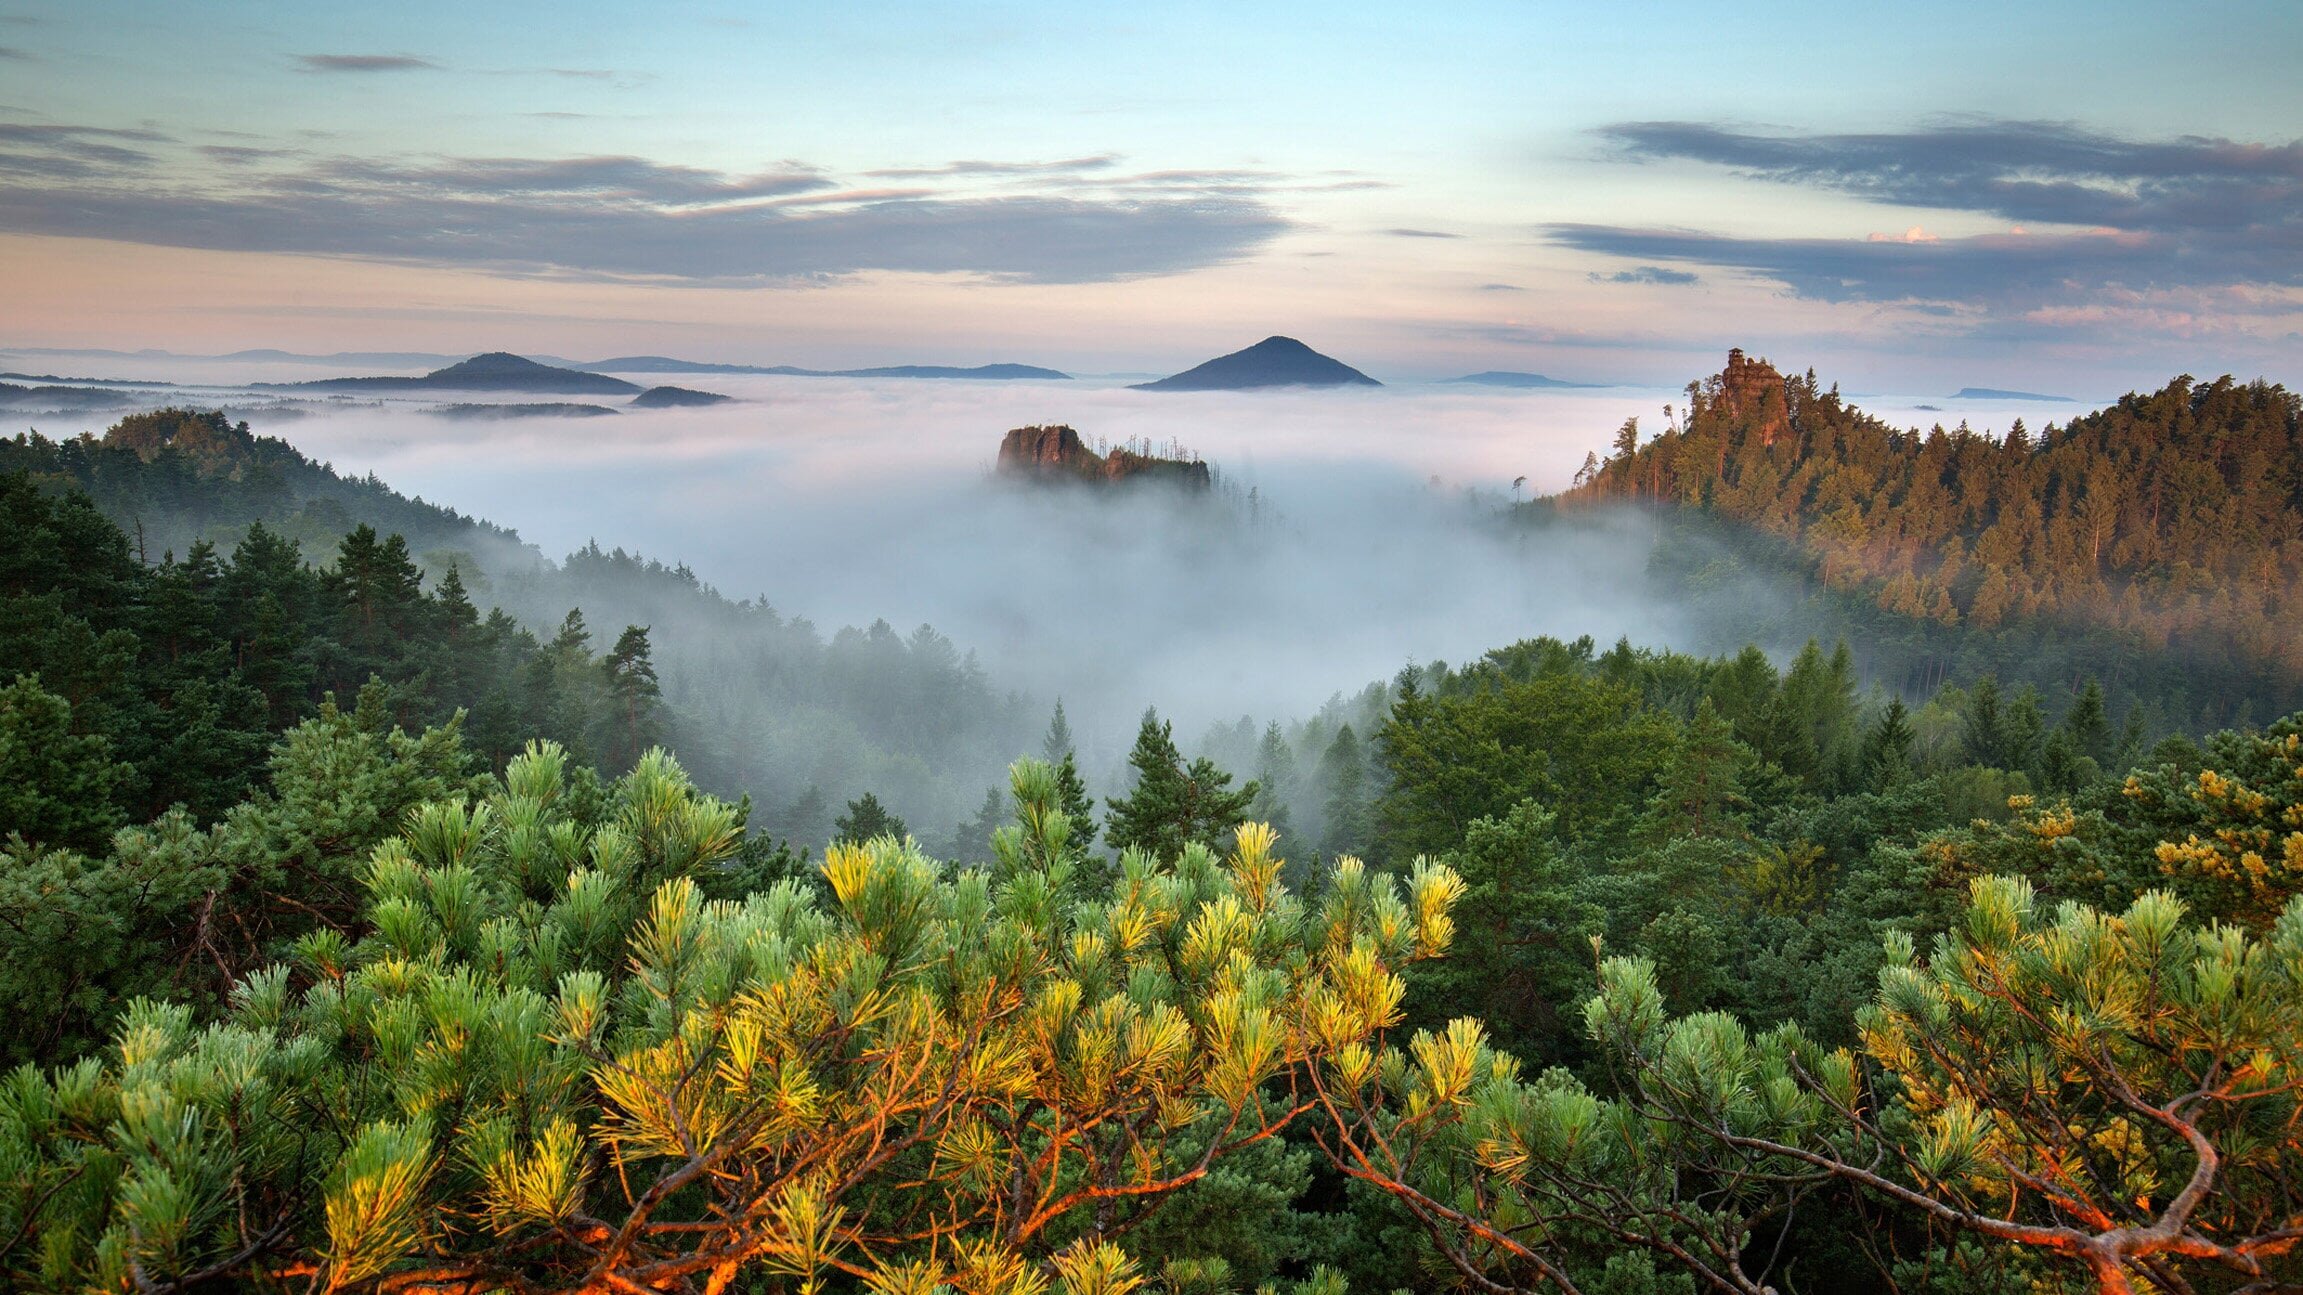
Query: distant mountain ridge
616, 364
666, 364
492, 371
1508, 378
1994, 393
1273, 362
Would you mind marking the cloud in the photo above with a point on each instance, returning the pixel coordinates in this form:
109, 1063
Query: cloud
57, 152
1093, 162
240, 154
1501, 287
364, 63
2135, 215
611, 177
1650, 274
1420, 233
1983, 271
13, 54
2021, 170
610, 217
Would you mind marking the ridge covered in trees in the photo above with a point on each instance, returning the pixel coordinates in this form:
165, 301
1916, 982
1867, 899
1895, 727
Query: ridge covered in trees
2174, 517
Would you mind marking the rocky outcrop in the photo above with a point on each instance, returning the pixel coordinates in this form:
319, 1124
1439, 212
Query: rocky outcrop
1057, 454
1752, 391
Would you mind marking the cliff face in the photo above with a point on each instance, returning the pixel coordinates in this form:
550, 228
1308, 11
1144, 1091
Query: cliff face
1058, 454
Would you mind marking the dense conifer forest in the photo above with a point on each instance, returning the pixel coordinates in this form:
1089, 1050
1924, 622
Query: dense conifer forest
372, 921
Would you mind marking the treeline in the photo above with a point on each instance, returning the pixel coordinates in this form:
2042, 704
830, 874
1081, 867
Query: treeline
772, 706
178, 676
2174, 517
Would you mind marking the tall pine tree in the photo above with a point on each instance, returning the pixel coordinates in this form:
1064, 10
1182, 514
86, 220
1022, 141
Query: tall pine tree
1174, 804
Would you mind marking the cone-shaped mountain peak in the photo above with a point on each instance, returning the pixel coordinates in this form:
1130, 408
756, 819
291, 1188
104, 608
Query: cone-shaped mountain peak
1272, 362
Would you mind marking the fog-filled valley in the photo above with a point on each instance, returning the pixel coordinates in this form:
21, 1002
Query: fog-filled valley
1351, 534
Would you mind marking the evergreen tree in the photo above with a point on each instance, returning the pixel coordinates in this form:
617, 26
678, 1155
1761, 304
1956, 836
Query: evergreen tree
2089, 726
1274, 780
2024, 724
457, 615
1983, 729
634, 693
1887, 748
807, 820
57, 787
2061, 767
971, 841
1073, 799
1174, 805
574, 640
1699, 791
867, 820
1058, 743
1350, 817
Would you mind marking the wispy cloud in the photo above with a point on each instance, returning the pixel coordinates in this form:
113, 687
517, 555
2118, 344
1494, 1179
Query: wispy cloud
1501, 287
627, 178
2131, 215
12, 54
1420, 233
1982, 271
612, 217
40, 150
2021, 170
364, 63
240, 154
1093, 162
1649, 274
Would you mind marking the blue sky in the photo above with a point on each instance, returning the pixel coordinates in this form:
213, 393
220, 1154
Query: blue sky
2085, 196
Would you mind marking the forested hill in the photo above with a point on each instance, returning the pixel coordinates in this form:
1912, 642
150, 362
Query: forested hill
2175, 517
172, 477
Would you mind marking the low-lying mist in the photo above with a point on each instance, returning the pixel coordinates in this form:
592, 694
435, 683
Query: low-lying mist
1350, 534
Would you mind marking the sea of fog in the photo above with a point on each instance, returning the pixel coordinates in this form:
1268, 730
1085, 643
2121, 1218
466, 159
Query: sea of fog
848, 501
1355, 532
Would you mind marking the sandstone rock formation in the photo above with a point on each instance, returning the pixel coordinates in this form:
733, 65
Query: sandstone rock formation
1752, 391
1057, 454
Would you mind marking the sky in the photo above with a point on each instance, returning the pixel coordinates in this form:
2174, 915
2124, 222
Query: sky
2074, 197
